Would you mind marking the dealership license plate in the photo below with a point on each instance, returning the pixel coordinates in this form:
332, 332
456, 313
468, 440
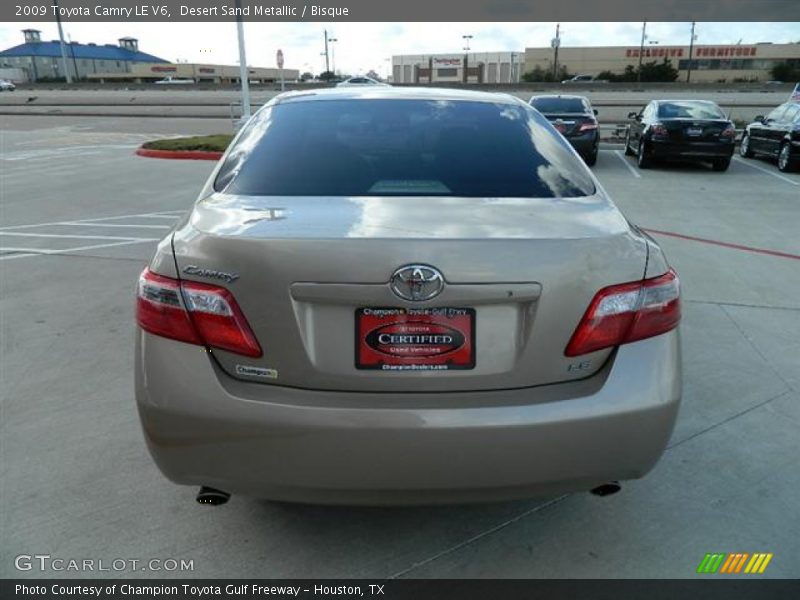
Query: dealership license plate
694, 131
415, 339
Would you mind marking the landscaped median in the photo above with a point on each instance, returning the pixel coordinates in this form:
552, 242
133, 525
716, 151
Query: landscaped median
202, 147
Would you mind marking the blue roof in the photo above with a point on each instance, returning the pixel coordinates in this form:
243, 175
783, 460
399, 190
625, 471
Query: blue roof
99, 52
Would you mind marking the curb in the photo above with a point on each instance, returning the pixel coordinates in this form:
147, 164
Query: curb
179, 154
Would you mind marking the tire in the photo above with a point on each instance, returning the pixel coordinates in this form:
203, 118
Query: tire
642, 160
721, 164
744, 147
628, 150
785, 158
591, 159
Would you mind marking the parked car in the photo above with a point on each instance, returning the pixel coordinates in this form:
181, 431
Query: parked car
392, 296
578, 79
575, 119
776, 136
170, 80
358, 81
695, 130
7, 86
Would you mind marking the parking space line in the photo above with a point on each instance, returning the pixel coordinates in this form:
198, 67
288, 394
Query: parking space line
625, 162
78, 223
763, 170
724, 244
50, 252
159, 215
76, 237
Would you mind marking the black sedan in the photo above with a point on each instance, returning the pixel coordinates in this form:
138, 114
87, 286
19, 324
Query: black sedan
695, 130
575, 119
775, 136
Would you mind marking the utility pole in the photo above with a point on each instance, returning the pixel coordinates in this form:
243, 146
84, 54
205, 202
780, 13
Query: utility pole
691, 51
332, 41
63, 46
244, 74
556, 43
327, 64
74, 62
641, 52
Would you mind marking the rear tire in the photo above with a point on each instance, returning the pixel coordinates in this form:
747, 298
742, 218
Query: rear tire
721, 164
591, 159
628, 150
642, 159
785, 158
744, 148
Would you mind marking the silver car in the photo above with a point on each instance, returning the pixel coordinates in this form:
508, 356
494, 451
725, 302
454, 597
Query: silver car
394, 296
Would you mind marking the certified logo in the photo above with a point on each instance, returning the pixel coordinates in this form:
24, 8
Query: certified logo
417, 282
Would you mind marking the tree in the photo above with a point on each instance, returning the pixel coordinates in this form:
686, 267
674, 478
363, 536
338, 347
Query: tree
651, 71
784, 71
538, 74
306, 76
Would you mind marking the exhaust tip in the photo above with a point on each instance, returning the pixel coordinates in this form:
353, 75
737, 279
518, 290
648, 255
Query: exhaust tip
607, 489
208, 495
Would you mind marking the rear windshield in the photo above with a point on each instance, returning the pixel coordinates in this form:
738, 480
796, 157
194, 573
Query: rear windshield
380, 147
689, 110
558, 105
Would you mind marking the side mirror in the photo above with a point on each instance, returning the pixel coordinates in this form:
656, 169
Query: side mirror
594, 110
632, 115
760, 118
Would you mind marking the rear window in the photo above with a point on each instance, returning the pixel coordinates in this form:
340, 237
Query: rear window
387, 147
559, 105
689, 110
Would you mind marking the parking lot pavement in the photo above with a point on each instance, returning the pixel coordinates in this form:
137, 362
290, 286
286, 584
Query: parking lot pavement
77, 481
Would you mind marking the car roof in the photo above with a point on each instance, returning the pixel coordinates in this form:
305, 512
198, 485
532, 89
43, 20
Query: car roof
695, 100
394, 93
565, 96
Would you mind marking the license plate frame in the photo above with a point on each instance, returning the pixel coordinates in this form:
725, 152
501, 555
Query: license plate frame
415, 339
694, 131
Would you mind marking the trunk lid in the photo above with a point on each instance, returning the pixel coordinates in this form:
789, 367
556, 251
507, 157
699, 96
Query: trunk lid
568, 123
695, 130
528, 268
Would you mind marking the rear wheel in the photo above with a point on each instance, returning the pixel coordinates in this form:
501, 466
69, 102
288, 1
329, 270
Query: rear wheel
744, 147
784, 158
628, 150
642, 159
721, 164
591, 158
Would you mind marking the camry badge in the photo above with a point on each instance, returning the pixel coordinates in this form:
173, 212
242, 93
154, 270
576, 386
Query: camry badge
195, 270
417, 282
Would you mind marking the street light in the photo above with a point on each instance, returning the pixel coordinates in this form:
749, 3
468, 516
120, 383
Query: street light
331, 41
691, 50
641, 51
467, 38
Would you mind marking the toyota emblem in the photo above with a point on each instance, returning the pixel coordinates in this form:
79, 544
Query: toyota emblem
417, 282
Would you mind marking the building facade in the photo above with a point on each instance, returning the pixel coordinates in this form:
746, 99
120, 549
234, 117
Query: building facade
42, 61
469, 67
200, 73
709, 63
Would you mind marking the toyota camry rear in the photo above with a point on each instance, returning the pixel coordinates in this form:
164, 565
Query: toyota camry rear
405, 296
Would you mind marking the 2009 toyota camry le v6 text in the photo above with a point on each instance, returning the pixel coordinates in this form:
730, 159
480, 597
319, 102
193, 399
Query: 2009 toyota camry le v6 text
393, 296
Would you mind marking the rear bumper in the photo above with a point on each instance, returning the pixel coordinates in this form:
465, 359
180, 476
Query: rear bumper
691, 150
584, 144
204, 428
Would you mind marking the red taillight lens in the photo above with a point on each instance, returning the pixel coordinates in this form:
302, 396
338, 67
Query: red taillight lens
628, 312
729, 132
195, 313
588, 126
659, 129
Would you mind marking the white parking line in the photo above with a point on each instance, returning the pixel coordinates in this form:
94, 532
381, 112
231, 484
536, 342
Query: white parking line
47, 252
77, 237
625, 162
114, 225
160, 215
763, 170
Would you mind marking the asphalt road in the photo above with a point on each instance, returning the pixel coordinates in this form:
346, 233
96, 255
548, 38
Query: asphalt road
80, 214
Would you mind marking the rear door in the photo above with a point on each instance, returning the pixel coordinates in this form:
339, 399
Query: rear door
766, 135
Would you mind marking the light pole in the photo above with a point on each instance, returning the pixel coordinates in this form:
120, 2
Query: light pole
556, 44
691, 50
244, 75
327, 64
467, 38
641, 52
63, 47
332, 41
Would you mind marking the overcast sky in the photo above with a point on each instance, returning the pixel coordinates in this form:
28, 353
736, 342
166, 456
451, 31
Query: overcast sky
365, 46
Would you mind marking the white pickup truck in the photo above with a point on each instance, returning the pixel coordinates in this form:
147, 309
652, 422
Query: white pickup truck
170, 80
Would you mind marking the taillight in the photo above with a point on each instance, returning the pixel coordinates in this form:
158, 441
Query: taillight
659, 129
587, 126
628, 312
195, 313
728, 132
